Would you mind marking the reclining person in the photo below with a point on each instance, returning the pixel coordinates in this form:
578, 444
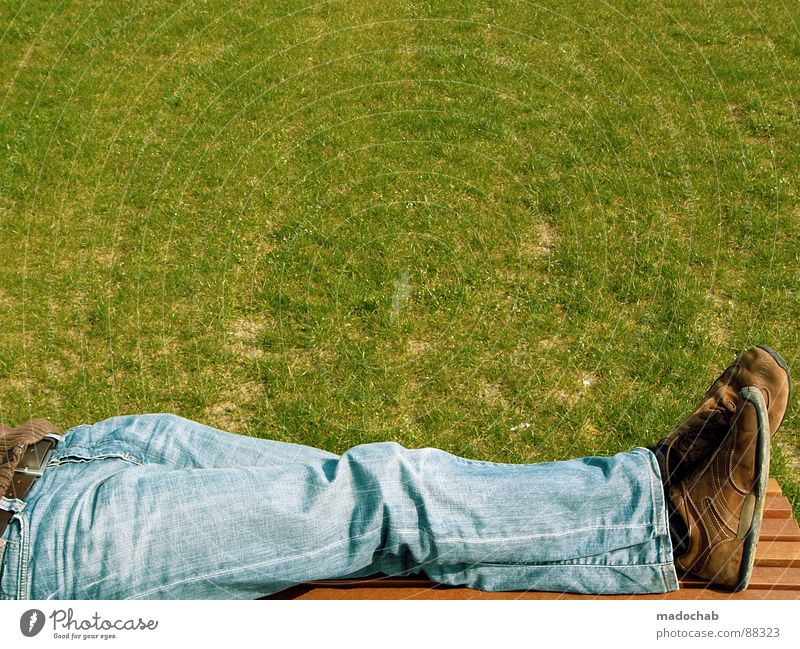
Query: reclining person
157, 506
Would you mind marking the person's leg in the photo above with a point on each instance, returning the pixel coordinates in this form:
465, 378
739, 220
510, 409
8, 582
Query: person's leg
110, 520
99, 521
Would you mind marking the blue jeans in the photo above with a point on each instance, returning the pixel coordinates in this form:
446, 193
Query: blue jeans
157, 506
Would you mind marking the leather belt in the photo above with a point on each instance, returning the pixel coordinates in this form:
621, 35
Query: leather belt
29, 469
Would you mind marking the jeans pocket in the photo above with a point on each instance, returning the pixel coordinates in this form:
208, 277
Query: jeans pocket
14, 559
72, 456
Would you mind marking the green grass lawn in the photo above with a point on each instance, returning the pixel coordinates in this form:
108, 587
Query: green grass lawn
519, 233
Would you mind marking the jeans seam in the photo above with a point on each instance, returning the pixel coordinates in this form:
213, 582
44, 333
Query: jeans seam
22, 570
489, 564
653, 508
455, 539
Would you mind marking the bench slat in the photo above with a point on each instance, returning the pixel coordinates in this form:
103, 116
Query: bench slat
443, 593
779, 529
778, 554
777, 507
763, 577
773, 488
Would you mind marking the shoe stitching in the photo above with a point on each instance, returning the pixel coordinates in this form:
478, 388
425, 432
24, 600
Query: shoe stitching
703, 540
710, 524
721, 507
711, 552
692, 514
720, 485
718, 482
720, 528
731, 467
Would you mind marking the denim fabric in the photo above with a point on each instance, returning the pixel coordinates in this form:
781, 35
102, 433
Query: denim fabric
158, 506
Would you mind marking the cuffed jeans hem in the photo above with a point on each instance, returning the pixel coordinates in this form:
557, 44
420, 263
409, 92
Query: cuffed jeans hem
580, 579
661, 522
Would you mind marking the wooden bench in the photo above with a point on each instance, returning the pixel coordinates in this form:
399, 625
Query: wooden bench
776, 574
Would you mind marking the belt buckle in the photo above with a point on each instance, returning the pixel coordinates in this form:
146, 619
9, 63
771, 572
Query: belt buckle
39, 471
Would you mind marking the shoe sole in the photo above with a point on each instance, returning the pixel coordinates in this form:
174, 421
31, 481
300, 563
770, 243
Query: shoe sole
755, 398
785, 367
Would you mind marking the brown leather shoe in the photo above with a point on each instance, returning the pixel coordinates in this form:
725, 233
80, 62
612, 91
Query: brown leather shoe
722, 502
689, 444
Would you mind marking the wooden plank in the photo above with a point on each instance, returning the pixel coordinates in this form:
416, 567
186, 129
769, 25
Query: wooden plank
763, 577
445, 593
773, 488
777, 507
779, 529
379, 587
706, 594
377, 581
778, 554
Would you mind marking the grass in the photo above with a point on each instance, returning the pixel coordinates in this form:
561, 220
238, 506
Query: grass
518, 233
